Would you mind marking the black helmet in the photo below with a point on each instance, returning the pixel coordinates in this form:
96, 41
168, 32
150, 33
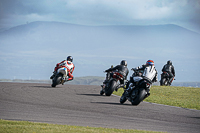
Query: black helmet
169, 62
70, 58
123, 62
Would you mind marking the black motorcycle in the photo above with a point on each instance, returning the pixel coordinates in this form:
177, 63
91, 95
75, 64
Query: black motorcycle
165, 79
139, 88
111, 85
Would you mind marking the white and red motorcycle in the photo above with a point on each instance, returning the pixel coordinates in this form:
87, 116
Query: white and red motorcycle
60, 77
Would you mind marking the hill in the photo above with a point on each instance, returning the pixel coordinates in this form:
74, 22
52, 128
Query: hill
31, 51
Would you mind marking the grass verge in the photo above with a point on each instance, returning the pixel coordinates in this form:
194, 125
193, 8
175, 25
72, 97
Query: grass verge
185, 97
33, 127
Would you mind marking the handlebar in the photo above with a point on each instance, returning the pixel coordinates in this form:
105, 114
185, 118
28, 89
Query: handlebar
133, 69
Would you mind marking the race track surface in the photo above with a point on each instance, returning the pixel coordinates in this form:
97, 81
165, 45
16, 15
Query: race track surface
83, 106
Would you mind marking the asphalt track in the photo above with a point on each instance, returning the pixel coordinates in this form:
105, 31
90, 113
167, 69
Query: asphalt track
83, 106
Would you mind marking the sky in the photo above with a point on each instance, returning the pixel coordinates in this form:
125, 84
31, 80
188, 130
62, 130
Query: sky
184, 13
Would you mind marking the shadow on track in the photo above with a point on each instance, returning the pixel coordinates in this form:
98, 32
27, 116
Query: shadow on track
43, 87
111, 103
195, 117
90, 94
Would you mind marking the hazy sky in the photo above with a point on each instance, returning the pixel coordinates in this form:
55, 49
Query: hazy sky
184, 13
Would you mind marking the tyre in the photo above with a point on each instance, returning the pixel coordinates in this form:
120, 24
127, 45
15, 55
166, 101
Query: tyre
56, 80
163, 82
109, 90
139, 97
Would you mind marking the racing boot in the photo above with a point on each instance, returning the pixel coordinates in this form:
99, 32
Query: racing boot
119, 86
104, 83
170, 81
102, 89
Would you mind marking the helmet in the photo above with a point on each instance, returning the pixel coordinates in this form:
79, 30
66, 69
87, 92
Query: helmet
150, 62
169, 62
123, 62
70, 58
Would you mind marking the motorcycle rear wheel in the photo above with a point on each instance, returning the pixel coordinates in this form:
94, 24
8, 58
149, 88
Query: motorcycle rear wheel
56, 80
111, 87
139, 97
164, 82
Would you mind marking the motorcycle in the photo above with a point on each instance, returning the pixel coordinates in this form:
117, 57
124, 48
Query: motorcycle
111, 85
139, 87
165, 79
60, 77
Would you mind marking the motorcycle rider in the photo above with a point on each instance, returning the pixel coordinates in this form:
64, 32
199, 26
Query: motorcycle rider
67, 64
122, 69
169, 68
149, 72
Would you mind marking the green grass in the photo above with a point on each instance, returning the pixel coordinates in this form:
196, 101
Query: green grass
185, 97
32, 127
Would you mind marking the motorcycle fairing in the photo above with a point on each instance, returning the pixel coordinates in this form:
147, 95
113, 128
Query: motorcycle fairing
62, 70
137, 78
165, 74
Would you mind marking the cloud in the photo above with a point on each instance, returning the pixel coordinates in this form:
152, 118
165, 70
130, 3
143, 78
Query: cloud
104, 12
137, 9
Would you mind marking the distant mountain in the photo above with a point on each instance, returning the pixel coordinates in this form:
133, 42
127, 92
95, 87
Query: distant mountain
3, 29
31, 51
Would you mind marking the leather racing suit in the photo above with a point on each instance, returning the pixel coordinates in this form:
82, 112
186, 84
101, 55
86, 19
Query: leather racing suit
148, 72
123, 70
169, 68
67, 64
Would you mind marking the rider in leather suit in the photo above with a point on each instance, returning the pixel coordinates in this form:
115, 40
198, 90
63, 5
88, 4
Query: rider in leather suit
122, 69
149, 73
169, 68
68, 64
